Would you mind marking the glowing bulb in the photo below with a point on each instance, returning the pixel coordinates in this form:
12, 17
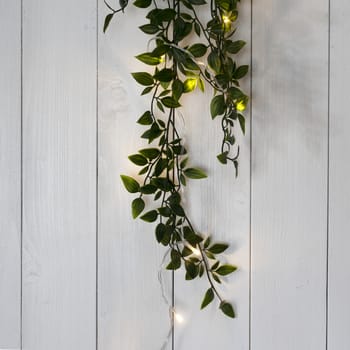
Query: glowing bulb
178, 317
195, 251
240, 105
226, 19
162, 58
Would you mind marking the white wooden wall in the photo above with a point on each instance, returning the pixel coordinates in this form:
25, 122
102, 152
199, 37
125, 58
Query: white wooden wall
77, 273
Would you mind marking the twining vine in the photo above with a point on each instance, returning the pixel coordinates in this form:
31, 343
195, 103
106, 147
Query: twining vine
178, 70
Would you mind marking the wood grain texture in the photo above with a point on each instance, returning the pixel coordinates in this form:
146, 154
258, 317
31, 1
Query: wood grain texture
339, 172
219, 206
59, 171
132, 314
10, 173
289, 188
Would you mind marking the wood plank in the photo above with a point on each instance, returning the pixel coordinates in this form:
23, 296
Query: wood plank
59, 165
339, 207
289, 174
132, 314
10, 173
218, 205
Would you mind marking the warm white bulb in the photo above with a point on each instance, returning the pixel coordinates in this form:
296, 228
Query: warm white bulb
226, 19
178, 317
195, 251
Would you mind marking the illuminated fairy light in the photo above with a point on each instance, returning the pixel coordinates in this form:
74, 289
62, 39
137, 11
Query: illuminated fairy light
178, 317
226, 19
195, 251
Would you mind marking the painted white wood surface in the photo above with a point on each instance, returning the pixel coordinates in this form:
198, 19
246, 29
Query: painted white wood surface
132, 314
218, 205
339, 173
10, 173
289, 175
289, 187
59, 175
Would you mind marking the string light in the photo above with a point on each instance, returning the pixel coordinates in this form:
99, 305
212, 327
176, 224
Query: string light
226, 19
195, 251
178, 317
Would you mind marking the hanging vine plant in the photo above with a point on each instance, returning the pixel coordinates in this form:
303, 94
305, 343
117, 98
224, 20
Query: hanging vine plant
178, 70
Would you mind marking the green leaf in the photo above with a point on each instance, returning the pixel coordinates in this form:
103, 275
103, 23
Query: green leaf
143, 78
177, 209
150, 153
170, 102
177, 88
191, 269
194, 173
191, 237
214, 62
222, 157
218, 248
146, 119
107, 21
186, 251
149, 59
208, 298
197, 2
226, 270
166, 15
137, 207
235, 93
138, 159
165, 75
217, 106
240, 72
149, 28
207, 242
227, 309
197, 29
150, 216
130, 184
198, 50
175, 260
160, 232
147, 90
235, 46
241, 120
142, 3
148, 189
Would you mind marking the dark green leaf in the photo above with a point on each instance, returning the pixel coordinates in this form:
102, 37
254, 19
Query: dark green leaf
198, 50
166, 15
146, 119
214, 62
148, 189
186, 252
149, 28
150, 216
175, 260
107, 21
160, 232
137, 207
197, 2
142, 3
170, 102
147, 90
217, 106
235, 93
194, 173
206, 242
178, 89
226, 270
138, 159
240, 72
150, 153
191, 237
130, 184
208, 298
227, 309
218, 248
222, 157
234, 47
165, 75
191, 269
177, 209
241, 120
143, 78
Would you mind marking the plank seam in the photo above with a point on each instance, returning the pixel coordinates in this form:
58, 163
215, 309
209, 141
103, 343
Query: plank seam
328, 172
21, 177
97, 173
250, 175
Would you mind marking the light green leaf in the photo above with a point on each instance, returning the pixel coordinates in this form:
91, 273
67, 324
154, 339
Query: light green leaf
225, 270
130, 184
195, 173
